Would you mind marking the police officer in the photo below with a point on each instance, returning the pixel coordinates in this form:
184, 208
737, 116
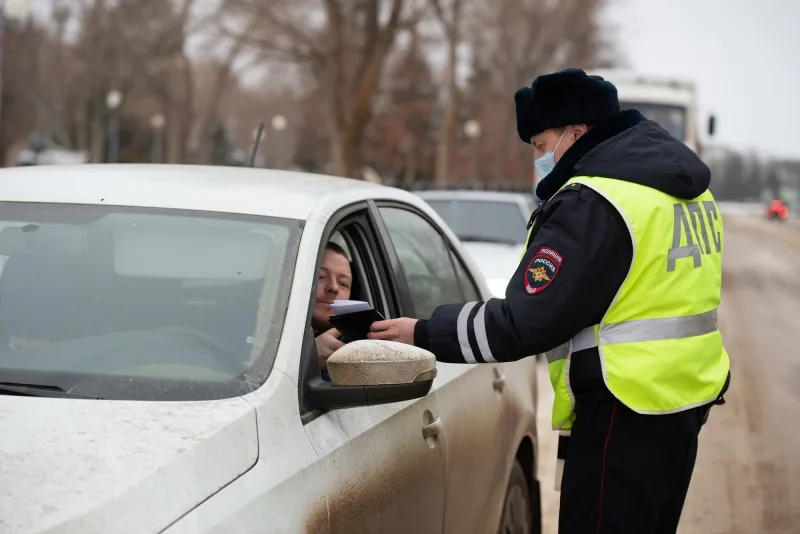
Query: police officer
619, 286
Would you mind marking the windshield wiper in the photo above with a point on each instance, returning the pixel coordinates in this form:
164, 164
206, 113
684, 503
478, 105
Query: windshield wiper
39, 390
487, 239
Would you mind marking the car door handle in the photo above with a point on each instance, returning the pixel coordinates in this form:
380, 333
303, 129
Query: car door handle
499, 382
433, 429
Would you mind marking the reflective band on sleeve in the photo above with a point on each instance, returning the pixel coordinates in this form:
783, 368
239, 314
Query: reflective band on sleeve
559, 353
463, 337
479, 323
585, 339
648, 330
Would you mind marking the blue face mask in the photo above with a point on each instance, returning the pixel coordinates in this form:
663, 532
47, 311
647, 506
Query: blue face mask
547, 163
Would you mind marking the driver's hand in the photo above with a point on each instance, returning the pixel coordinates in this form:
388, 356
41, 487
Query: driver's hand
327, 344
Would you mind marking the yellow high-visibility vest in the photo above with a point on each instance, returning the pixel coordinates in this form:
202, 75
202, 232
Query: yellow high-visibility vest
660, 349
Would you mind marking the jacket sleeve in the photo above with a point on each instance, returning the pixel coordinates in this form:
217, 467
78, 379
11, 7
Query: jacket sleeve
566, 281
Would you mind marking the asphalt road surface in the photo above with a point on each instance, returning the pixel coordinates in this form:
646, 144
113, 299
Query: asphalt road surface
747, 477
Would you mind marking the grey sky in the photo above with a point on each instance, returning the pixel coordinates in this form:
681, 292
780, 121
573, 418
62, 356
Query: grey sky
741, 54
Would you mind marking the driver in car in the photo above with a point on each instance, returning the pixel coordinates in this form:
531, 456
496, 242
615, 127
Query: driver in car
335, 281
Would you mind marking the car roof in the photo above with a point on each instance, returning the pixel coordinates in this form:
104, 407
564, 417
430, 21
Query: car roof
473, 194
284, 194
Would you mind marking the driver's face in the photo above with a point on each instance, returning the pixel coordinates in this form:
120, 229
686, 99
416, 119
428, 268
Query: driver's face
335, 280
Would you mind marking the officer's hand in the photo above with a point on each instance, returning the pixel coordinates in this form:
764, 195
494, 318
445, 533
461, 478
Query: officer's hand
400, 330
327, 344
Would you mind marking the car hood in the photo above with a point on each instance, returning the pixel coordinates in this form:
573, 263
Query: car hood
103, 466
496, 261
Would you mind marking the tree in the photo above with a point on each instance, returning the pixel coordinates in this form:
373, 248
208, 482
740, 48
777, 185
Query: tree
134, 46
450, 15
233, 45
20, 112
521, 39
355, 91
400, 141
131, 46
343, 56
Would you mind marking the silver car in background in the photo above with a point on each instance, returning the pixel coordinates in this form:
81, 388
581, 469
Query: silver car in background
492, 225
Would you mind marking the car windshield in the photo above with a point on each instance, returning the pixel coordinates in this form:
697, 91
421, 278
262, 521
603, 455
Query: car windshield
671, 118
145, 304
491, 221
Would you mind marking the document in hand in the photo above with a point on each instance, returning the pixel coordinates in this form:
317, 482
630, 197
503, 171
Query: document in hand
353, 318
342, 307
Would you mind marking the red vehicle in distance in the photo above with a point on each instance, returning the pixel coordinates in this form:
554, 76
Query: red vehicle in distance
777, 210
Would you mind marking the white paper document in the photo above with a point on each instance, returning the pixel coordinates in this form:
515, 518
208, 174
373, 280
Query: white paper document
341, 307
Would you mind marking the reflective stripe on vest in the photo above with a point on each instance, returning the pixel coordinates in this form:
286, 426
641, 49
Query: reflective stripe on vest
564, 400
645, 330
527, 241
659, 346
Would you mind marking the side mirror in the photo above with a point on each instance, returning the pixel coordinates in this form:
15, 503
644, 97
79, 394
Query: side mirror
371, 372
712, 123
378, 363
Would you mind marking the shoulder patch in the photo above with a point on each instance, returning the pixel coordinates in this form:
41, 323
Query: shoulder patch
542, 270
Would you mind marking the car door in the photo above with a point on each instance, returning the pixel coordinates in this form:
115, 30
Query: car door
383, 466
472, 399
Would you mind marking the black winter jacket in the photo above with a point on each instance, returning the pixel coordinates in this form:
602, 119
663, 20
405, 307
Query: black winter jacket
593, 253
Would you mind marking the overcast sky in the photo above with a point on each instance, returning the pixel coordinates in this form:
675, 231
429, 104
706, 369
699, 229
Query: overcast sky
743, 56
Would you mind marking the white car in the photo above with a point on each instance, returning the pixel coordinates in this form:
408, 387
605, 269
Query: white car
164, 377
492, 225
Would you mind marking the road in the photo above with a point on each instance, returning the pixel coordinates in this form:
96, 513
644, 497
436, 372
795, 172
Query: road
747, 478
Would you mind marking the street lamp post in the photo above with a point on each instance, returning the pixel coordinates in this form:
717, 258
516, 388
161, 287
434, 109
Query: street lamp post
472, 129
157, 122
407, 147
113, 100
279, 124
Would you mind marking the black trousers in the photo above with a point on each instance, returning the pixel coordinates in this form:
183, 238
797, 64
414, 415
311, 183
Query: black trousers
626, 472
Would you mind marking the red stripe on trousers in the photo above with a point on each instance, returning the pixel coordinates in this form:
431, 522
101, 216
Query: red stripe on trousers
603, 473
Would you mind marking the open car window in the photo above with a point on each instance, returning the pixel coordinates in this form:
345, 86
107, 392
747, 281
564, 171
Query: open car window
370, 276
140, 303
367, 284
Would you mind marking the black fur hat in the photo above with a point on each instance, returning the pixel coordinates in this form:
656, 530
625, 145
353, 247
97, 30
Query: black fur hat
563, 98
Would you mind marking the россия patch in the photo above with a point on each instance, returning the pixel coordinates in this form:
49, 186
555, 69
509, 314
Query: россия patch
542, 270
